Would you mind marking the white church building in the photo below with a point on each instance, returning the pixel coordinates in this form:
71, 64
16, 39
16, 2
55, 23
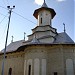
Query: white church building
46, 52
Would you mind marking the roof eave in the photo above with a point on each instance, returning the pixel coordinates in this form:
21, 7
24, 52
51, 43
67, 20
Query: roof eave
44, 8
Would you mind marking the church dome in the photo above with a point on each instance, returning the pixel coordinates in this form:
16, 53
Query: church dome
44, 7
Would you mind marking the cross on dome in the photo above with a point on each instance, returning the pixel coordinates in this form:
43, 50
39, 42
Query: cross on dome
44, 1
44, 7
44, 4
64, 27
12, 39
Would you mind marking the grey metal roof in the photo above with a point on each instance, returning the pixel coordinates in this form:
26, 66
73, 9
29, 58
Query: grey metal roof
13, 46
35, 41
63, 38
44, 7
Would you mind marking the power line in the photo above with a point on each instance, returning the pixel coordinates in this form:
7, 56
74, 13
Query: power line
3, 19
3, 7
7, 2
24, 18
4, 31
19, 15
4, 2
2, 14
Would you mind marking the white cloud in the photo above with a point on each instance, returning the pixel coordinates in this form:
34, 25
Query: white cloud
39, 2
60, 0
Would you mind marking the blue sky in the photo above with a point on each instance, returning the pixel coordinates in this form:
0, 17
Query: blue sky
22, 19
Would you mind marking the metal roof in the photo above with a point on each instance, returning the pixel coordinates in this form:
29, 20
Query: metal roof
13, 46
44, 7
35, 41
63, 38
60, 38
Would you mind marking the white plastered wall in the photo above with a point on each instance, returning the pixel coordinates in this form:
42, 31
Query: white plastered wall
46, 18
69, 67
36, 66
43, 67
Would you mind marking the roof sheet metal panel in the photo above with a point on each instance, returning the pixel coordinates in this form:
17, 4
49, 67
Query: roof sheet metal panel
63, 38
13, 46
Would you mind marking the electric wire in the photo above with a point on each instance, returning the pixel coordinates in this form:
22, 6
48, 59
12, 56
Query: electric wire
3, 18
2, 14
3, 32
7, 2
3, 7
24, 18
19, 15
16, 14
4, 2
5, 26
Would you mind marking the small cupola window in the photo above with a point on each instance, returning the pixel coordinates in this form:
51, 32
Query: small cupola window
41, 20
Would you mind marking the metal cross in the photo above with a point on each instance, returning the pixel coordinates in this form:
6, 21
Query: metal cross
12, 38
44, 1
64, 27
24, 36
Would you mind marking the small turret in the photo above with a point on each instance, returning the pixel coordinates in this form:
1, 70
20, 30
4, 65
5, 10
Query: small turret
44, 32
44, 15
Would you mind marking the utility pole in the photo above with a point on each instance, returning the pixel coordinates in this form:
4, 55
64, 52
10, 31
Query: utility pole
10, 11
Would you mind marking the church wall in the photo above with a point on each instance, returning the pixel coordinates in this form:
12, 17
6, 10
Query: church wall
69, 67
46, 18
52, 57
38, 56
42, 34
14, 61
41, 60
43, 28
74, 60
55, 61
69, 60
36, 66
49, 59
43, 67
47, 40
0, 63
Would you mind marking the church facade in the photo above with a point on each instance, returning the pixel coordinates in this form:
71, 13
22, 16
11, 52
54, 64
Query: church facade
46, 52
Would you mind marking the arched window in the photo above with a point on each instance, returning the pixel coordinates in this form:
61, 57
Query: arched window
55, 73
29, 67
50, 21
41, 20
29, 70
10, 71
